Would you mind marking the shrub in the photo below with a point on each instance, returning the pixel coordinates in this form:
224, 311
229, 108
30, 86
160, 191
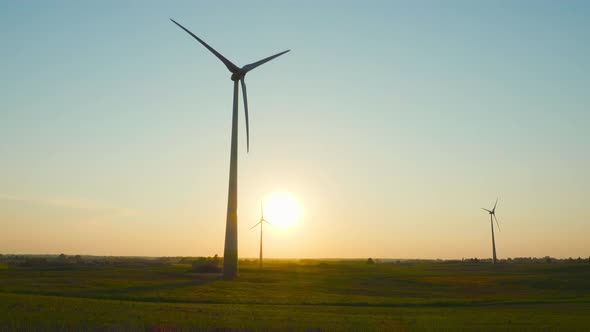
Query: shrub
206, 265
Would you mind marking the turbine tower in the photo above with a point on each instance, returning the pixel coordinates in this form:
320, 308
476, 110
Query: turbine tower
492, 218
261, 222
230, 253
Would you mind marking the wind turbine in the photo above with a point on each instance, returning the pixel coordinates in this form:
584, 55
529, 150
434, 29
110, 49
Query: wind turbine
492, 217
261, 222
230, 253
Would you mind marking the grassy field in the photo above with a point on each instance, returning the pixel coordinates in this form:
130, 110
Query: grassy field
299, 295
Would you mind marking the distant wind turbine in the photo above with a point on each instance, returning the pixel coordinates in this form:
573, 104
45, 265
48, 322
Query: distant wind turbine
492, 218
230, 253
261, 222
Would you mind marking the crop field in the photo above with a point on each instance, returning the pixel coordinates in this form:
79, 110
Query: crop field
309, 295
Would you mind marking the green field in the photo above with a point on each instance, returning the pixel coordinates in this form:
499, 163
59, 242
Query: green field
299, 295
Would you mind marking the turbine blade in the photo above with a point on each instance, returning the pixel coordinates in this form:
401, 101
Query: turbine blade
486, 210
246, 112
261, 211
233, 68
266, 221
494, 209
496, 218
258, 223
253, 65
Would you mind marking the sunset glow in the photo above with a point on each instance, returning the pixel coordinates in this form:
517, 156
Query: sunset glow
281, 209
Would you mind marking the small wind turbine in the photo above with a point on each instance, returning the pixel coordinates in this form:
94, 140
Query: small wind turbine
261, 222
230, 252
492, 218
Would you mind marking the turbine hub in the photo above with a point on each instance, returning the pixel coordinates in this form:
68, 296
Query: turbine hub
237, 75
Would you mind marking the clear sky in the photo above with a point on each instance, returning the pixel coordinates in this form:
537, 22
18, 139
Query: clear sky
391, 123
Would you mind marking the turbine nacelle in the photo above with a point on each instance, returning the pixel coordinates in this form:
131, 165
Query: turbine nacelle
238, 75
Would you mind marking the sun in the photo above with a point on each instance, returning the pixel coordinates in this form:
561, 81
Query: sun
281, 209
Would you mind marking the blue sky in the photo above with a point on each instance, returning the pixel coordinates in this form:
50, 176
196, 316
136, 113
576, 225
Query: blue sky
391, 122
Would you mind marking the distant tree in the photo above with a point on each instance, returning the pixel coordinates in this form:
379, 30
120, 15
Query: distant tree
62, 257
370, 261
547, 259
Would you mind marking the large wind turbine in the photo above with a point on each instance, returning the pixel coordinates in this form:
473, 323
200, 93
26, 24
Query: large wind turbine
492, 217
261, 222
230, 253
